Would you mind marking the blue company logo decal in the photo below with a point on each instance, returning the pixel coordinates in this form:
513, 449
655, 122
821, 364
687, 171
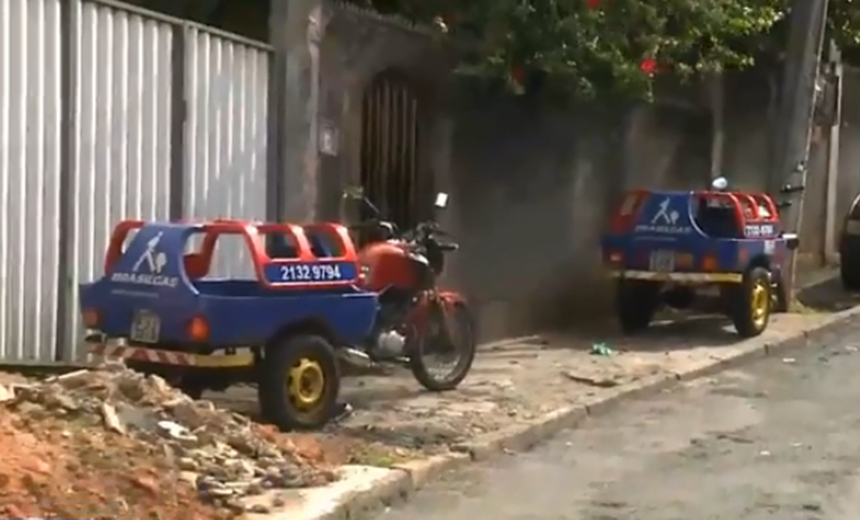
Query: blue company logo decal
148, 268
665, 219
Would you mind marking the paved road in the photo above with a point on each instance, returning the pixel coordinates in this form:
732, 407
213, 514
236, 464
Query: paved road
776, 440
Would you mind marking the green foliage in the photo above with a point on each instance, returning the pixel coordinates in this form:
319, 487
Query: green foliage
843, 23
594, 46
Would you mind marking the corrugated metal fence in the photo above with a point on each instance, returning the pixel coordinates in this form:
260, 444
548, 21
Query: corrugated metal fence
108, 112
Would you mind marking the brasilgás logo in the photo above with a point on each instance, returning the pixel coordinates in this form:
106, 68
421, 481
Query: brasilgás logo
147, 270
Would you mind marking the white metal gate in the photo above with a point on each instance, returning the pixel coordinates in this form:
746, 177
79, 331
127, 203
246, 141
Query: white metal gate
226, 136
109, 112
30, 171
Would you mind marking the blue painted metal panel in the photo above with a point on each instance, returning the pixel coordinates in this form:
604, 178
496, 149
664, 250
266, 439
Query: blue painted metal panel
151, 276
666, 222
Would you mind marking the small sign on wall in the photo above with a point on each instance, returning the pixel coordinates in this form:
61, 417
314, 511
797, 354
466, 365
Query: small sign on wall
329, 138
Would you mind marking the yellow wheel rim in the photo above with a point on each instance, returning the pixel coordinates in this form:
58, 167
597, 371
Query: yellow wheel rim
760, 300
306, 384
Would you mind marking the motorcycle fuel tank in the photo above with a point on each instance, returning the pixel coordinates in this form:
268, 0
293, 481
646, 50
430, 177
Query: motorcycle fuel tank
388, 264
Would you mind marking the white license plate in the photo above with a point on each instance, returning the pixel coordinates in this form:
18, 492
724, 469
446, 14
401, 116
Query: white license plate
145, 327
853, 227
662, 261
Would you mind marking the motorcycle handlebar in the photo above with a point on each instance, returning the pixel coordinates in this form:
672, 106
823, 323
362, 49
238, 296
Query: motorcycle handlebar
421, 233
430, 228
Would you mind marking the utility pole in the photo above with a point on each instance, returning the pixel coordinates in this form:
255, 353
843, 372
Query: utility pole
717, 96
295, 31
835, 77
795, 120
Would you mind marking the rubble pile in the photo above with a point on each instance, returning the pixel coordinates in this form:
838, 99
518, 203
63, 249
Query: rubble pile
113, 418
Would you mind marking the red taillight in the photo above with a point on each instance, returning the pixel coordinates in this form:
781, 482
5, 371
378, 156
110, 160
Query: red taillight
90, 318
198, 329
684, 260
710, 263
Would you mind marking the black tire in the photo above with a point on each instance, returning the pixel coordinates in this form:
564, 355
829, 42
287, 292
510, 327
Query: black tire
752, 302
780, 296
680, 297
188, 385
850, 277
280, 400
193, 391
636, 301
466, 348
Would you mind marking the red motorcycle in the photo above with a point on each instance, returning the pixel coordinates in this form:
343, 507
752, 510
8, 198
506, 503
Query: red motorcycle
417, 320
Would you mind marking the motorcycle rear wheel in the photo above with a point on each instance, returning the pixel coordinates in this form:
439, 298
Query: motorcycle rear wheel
465, 343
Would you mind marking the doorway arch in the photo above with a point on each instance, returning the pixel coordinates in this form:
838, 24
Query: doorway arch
391, 148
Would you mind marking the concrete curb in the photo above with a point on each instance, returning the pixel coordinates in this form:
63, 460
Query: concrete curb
398, 486
409, 477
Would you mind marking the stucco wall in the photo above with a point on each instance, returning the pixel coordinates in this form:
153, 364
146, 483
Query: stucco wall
849, 149
749, 119
532, 184
357, 46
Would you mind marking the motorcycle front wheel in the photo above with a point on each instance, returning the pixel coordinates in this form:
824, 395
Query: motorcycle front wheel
456, 349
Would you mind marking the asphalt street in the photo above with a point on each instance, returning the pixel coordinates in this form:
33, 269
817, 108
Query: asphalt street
776, 439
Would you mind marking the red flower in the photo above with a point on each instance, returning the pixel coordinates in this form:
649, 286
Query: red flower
648, 66
592, 4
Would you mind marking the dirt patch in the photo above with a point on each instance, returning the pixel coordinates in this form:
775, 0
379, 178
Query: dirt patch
51, 470
115, 443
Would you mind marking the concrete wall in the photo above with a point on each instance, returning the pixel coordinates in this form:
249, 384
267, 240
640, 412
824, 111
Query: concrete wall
746, 129
532, 184
849, 149
357, 46
749, 120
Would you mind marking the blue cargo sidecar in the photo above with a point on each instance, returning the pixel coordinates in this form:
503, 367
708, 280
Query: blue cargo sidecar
156, 307
662, 245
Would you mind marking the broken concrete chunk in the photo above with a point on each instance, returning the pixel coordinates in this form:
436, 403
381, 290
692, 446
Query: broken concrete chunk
111, 419
219, 451
6, 394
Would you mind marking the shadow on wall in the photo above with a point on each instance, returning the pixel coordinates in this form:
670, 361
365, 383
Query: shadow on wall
748, 115
537, 185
